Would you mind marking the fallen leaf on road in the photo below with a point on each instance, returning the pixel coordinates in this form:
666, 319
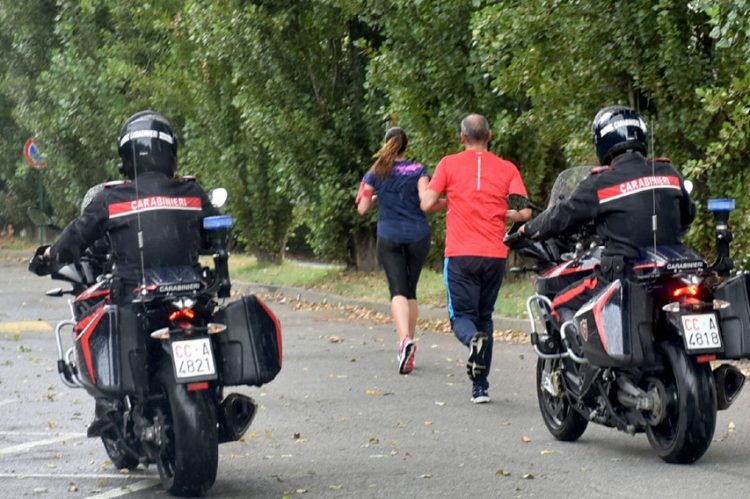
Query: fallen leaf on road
335, 487
73, 488
302, 491
375, 392
296, 435
440, 403
502, 472
525, 439
427, 423
335, 339
730, 429
425, 475
528, 476
546, 452
400, 424
24, 349
40, 490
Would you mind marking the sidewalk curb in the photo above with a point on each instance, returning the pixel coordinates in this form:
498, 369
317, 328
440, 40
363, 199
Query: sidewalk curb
425, 312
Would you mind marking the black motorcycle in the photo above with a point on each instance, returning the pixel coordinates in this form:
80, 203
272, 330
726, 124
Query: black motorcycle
158, 365
638, 356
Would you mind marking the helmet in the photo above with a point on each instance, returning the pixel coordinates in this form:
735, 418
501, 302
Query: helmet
147, 143
617, 129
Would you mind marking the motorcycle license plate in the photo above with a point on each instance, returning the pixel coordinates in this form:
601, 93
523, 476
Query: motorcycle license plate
193, 360
701, 332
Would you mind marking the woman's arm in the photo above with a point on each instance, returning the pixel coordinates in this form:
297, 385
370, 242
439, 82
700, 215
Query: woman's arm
365, 198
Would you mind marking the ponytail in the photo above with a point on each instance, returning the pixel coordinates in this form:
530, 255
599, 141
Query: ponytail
395, 144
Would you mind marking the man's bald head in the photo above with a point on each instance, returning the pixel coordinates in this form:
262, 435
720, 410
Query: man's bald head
476, 129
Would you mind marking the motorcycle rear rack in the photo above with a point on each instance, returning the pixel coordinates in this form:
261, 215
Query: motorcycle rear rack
544, 306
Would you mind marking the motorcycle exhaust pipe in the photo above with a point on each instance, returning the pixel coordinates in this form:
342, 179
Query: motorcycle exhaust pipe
236, 412
729, 382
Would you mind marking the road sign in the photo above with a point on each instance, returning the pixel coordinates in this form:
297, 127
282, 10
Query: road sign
33, 155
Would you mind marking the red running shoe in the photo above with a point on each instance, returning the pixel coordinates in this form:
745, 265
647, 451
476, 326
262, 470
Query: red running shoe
406, 352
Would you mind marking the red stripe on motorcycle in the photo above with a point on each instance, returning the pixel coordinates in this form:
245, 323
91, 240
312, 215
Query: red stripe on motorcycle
276, 324
637, 186
589, 283
152, 203
598, 314
86, 327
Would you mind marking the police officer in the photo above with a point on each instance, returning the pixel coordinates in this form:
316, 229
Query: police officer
152, 219
621, 198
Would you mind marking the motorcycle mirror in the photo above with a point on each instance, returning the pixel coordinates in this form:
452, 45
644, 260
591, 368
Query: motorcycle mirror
39, 218
54, 292
519, 202
218, 196
689, 186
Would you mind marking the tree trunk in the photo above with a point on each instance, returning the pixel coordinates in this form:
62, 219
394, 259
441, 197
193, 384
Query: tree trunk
365, 253
273, 258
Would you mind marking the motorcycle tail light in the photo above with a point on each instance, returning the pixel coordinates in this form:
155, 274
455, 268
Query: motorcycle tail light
185, 313
691, 290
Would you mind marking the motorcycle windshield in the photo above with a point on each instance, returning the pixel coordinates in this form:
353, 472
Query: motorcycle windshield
566, 182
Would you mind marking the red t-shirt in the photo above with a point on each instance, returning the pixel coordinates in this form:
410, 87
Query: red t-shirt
477, 185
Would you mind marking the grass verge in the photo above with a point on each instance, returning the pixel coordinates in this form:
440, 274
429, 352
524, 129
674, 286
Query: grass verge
369, 285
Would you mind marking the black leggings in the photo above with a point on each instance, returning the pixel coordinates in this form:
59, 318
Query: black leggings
403, 263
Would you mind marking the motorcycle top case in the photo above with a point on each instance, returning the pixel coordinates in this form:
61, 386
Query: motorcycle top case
111, 351
734, 320
250, 348
615, 326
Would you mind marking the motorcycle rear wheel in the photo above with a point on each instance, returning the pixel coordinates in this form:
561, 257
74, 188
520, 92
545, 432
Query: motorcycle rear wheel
687, 429
561, 419
189, 454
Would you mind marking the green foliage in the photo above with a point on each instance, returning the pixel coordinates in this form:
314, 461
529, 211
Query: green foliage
285, 102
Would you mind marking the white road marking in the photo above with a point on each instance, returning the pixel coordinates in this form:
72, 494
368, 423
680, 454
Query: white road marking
69, 476
31, 433
14, 449
127, 489
9, 401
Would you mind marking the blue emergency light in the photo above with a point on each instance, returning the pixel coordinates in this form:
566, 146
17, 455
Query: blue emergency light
219, 222
725, 204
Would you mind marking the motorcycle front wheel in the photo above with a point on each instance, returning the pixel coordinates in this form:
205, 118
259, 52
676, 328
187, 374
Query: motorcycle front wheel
685, 432
189, 453
561, 419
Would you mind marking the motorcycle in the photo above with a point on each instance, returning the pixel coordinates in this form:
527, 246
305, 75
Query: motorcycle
159, 365
637, 356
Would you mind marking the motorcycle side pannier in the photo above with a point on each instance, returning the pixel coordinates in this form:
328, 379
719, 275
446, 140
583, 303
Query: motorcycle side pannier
734, 320
615, 326
250, 348
111, 351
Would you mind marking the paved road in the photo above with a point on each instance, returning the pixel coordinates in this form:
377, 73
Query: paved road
340, 422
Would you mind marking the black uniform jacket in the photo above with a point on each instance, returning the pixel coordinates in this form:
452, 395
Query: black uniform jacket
621, 200
168, 211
